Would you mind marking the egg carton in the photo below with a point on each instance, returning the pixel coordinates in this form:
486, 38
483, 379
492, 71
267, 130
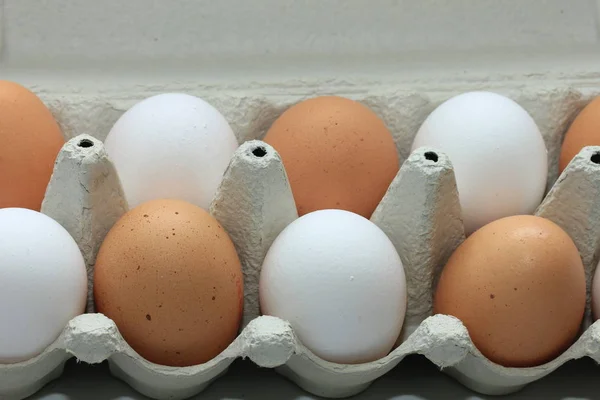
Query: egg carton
420, 213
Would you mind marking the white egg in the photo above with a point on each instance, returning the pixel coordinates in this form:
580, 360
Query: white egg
499, 156
43, 283
171, 145
337, 278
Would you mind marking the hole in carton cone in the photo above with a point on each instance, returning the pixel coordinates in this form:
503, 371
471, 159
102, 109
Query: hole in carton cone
259, 151
595, 158
85, 143
431, 156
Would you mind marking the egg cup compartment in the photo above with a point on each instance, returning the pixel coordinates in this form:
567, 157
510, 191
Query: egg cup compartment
420, 213
572, 203
425, 185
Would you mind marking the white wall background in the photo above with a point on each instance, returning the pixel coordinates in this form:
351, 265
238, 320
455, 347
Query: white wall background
210, 39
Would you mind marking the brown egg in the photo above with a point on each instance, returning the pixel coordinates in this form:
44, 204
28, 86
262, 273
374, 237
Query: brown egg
518, 285
169, 276
30, 140
337, 154
584, 131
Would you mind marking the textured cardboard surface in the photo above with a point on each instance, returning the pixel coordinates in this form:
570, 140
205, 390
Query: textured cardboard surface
420, 213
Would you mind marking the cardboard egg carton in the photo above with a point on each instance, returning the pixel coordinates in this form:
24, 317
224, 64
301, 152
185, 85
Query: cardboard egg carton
420, 213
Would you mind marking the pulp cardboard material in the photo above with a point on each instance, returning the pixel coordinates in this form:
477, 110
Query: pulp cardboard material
420, 213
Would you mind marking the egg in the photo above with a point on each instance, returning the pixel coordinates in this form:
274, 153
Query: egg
518, 285
30, 140
499, 157
338, 280
43, 283
584, 131
169, 276
337, 154
172, 145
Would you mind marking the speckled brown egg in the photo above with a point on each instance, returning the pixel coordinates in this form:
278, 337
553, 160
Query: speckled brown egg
337, 154
584, 131
518, 285
169, 276
30, 140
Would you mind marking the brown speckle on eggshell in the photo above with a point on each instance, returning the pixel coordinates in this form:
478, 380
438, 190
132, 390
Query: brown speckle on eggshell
518, 285
337, 154
177, 300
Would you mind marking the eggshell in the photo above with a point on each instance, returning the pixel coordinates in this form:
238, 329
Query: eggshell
498, 153
337, 154
43, 283
172, 145
337, 278
169, 276
30, 140
518, 285
584, 131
